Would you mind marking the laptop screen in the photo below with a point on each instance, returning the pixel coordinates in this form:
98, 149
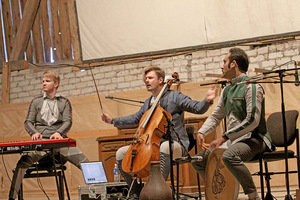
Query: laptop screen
93, 172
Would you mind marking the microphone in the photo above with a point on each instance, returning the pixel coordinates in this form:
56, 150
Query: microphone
189, 158
218, 82
108, 97
243, 83
123, 99
198, 158
297, 83
251, 81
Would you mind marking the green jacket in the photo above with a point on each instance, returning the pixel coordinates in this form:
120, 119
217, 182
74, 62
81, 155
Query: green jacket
243, 105
235, 103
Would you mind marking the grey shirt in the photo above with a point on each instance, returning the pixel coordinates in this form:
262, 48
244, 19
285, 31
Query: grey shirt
174, 103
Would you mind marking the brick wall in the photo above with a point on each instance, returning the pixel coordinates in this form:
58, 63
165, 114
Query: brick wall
26, 84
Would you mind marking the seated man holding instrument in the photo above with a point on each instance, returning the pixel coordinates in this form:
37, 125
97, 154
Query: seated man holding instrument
247, 135
174, 103
49, 117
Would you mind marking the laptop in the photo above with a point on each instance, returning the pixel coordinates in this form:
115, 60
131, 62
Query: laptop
93, 172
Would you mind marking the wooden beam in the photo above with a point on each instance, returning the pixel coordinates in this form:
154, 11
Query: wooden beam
259, 70
2, 50
74, 32
5, 83
212, 75
18, 65
23, 34
16, 16
46, 30
7, 26
37, 40
64, 24
29, 49
48, 66
57, 53
75, 69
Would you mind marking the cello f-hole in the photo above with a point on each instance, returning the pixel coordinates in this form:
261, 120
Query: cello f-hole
133, 154
146, 143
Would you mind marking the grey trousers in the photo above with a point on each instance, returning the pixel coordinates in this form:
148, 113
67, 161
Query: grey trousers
234, 158
71, 154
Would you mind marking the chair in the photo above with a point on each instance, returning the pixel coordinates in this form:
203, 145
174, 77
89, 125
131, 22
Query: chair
45, 168
190, 131
275, 128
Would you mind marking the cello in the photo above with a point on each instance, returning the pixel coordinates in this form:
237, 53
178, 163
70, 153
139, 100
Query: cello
146, 141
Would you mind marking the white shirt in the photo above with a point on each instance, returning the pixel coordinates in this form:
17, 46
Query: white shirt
49, 109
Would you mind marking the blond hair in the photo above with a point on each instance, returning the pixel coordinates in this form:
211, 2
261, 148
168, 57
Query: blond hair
53, 75
159, 72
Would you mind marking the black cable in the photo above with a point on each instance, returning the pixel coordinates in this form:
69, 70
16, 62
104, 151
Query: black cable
5, 167
39, 180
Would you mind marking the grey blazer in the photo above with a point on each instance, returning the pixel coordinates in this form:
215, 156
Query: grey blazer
34, 122
175, 103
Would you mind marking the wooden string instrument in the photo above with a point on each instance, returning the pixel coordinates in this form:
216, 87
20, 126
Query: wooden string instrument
146, 143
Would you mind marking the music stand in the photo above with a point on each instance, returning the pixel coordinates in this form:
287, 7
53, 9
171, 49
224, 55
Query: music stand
223, 84
281, 74
168, 136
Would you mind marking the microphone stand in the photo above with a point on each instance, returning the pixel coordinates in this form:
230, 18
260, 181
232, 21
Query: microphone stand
225, 124
223, 84
169, 137
281, 75
123, 99
170, 126
259, 80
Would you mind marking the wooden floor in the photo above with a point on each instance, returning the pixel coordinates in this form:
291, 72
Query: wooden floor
278, 193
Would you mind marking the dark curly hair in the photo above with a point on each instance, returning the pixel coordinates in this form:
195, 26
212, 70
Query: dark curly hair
240, 57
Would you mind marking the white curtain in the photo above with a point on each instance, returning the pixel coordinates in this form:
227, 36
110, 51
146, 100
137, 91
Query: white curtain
110, 28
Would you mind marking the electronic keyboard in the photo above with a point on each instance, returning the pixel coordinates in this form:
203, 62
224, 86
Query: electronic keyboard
37, 145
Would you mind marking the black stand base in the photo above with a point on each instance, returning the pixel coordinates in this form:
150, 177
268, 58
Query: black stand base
269, 196
288, 197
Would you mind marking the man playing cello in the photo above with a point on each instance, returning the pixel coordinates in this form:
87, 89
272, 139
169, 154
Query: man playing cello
174, 103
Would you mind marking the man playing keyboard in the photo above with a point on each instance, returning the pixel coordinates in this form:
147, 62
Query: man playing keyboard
49, 117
